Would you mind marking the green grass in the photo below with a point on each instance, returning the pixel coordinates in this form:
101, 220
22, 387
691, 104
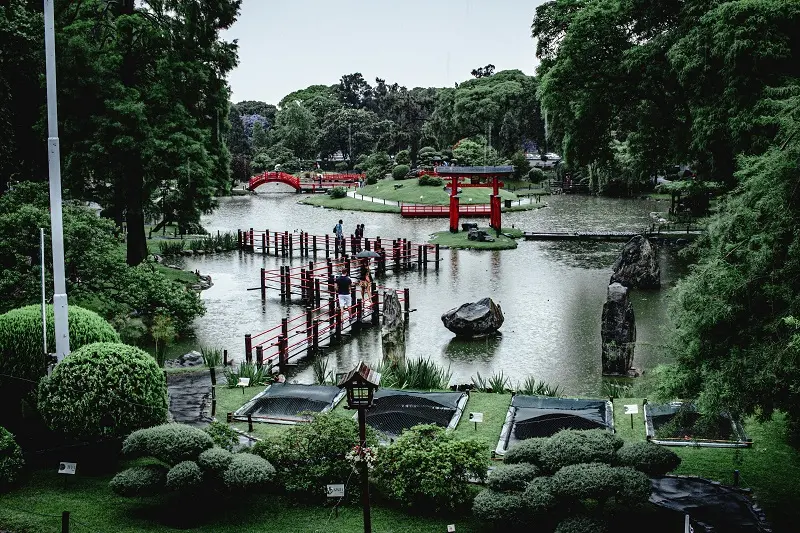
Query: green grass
413, 193
771, 467
460, 241
494, 408
348, 204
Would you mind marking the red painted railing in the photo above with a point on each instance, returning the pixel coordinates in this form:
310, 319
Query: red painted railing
483, 210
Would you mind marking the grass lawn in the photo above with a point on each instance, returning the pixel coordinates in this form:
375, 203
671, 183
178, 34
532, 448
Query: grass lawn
348, 204
413, 193
459, 240
771, 468
494, 408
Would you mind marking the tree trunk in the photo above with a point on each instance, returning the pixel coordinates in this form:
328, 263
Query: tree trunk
137, 242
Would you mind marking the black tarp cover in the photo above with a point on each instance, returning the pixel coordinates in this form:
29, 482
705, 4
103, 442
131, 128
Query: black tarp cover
288, 400
540, 416
397, 410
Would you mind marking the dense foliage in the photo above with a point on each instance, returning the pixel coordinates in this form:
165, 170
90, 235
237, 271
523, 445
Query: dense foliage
309, 456
11, 460
428, 468
652, 459
511, 477
104, 390
169, 443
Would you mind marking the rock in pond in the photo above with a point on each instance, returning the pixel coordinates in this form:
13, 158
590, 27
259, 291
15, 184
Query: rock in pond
637, 265
617, 332
474, 319
479, 235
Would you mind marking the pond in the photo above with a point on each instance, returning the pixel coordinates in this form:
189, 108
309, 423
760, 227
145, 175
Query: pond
551, 293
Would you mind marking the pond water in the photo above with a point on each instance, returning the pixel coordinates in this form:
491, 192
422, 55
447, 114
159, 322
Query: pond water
551, 293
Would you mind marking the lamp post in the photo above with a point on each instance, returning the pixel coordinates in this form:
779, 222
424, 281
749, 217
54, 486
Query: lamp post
361, 384
54, 160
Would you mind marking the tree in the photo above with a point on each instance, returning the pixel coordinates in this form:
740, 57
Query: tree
253, 107
355, 92
351, 131
483, 72
296, 128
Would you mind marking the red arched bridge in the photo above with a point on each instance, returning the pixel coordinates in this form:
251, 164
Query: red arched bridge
314, 182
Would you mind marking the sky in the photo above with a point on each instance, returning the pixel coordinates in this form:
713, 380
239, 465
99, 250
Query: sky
286, 45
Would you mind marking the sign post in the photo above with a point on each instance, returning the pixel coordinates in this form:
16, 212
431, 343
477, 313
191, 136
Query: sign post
67, 468
336, 490
631, 409
476, 417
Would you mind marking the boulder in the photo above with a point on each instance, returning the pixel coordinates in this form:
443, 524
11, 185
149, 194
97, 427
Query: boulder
637, 265
479, 235
618, 332
393, 331
466, 226
190, 359
476, 319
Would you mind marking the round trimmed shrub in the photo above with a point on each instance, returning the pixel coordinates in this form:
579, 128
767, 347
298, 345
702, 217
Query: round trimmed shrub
570, 447
11, 460
584, 481
513, 477
215, 460
580, 524
104, 389
170, 443
536, 175
652, 459
527, 451
140, 481
538, 496
402, 158
633, 487
500, 507
185, 475
247, 472
338, 192
21, 337
400, 172
430, 181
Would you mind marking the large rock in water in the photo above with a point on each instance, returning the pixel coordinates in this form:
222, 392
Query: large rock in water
393, 331
618, 332
476, 319
637, 265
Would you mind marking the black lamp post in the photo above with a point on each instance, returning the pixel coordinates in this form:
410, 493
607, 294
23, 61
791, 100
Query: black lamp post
361, 384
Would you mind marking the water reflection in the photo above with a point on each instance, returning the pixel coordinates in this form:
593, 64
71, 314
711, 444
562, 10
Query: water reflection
551, 293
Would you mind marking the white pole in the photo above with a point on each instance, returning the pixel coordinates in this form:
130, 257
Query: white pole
54, 159
44, 301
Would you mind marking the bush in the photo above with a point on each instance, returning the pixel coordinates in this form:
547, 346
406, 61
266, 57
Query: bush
585, 481
223, 435
520, 164
633, 487
427, 467
341, 166
215, 461
400, 172
11, 460
580, 524
309, 456
536, 175
248, 472
569, 447
338, 192
430, 181
500, 508
21, 337
527, 451
539, 497
652, 459
170, 443
374, 174
184, 476
512, 477
104, 389
140, 481
402, 158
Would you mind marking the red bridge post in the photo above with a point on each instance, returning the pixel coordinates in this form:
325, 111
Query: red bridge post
436, 250
263, 285
259, 356
375, 303
248, 348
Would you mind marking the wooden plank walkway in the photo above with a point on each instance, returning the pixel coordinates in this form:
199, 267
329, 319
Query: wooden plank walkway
609, 236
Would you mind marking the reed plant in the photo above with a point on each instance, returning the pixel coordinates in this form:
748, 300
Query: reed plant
495, 383
321, 374
258, 375
171, 246
422, 374
532, 387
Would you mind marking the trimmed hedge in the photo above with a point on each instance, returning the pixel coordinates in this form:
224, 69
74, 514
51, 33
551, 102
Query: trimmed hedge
104, 389
633, 487
11, 460
248, 472
140, 481
500, 507
527, 451
215, 460
652, 459
170, 443
184, 476
580, 524
539, 496
21, 337
338, 192
430, 181
513, 477
400, 171
584, 481
570, 447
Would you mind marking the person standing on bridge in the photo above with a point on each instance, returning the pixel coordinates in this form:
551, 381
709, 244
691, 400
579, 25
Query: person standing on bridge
338, 230
343, 283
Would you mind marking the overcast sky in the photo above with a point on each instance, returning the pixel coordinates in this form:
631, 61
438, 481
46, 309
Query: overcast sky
285, 45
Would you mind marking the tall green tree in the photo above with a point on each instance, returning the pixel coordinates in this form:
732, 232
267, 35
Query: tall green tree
296, 129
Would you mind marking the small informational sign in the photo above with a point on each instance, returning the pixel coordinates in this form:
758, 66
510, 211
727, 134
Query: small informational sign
476, 417
451, 528
336, 490
243, 382
632, 409
67, 468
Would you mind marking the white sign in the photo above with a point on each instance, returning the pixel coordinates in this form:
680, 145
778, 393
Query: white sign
336, 491
243, 382
451, 528
632, 409
475, 417
67, 468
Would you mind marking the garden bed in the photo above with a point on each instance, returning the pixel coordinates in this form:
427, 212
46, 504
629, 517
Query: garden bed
284, 403
678, 424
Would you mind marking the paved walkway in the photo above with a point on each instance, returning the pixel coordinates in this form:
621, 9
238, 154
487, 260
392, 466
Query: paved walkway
190, 397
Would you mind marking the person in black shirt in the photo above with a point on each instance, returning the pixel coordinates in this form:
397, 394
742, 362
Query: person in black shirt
343, 284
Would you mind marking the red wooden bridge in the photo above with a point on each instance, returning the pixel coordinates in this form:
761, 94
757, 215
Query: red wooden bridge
416, 210
319, 183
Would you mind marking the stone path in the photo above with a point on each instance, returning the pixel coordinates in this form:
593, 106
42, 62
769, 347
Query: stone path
190, 397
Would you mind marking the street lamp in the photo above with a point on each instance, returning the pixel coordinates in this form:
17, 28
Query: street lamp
360, 385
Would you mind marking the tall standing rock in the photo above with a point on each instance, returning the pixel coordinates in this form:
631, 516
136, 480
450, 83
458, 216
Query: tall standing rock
618, 332
393, 331
637, 265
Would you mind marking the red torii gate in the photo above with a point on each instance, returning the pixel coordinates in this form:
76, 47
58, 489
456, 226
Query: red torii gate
478, 177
